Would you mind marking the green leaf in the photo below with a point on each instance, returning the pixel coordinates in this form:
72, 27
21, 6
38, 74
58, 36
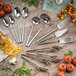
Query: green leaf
30, 3
22, 71
24, 0
24, 64
23, 74
28, 72
36, 3
70, 53
17, 71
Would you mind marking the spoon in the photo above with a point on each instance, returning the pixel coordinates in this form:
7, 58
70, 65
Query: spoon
56, 34
7, 24
24, 15
17, 15
61, 25
35, 21
46, 19
64, 40
12, 21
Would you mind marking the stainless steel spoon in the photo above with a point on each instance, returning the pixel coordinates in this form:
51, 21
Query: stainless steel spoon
35, 21
46, 19
63, 40
7, 24
12, 21
17, 15
24, 15
61, 25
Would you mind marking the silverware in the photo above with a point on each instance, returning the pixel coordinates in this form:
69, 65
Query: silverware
24, 15
43, 58
44, 61
35, 65
61, 25
56, 34
7, 24
46, 19
35, 21
12, 21
52, 49
64, 40
17, 15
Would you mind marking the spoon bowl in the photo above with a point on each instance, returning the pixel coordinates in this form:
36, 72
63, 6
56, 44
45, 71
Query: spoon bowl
11, 19
45, 18
35, 20
17, 13
6, 22
25, 12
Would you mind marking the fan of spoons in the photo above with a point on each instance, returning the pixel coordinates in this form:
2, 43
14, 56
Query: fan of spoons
18, 35
46, 20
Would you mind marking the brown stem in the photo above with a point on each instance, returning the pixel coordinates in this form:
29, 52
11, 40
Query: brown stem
72, 1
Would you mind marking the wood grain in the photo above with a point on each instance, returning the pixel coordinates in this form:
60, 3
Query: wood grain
36, 12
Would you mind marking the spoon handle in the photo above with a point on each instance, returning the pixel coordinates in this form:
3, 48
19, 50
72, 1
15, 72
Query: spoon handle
47, 34
23, 30
19, 34
12, 34
43, 43
29, 35
15, 35
36, 34
47, 38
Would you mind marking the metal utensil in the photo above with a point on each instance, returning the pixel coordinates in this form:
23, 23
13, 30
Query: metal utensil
61, 25
56, 34
17, 15
44, 61
24, 15
35, 65
7, 24
35, 21
68, 39
46, 19
12, 21
52, 49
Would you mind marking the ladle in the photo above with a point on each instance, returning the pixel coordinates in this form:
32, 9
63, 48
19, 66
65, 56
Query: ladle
12, 21
24, 15
35, 21
46, 19
61, 25
7, 24
17, 15
63, 40
56, 34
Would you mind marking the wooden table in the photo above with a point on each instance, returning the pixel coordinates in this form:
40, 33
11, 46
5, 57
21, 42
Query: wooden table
36, 12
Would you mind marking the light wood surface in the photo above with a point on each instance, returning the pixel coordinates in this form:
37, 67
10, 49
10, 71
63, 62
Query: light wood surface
36, 12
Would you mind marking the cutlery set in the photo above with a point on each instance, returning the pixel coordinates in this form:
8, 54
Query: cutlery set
45, 59
46, 19
19, 35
